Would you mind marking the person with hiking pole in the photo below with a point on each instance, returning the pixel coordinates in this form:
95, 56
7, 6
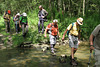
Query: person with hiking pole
7, 18
16, 20
52, 30
95, 44
42, 14
24, 22
73, 32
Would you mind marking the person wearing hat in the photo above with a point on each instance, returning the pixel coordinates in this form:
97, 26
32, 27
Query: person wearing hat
24, 22
42, 14
74, 37
16, 20
52, 29
95, 44
7, 18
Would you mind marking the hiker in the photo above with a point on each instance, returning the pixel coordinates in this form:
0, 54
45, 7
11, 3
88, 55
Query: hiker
74, 37
16, 20
23, 22
42, 14
52, 30
7, 18
95, 43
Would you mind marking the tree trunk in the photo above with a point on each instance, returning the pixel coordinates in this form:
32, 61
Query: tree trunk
83, 7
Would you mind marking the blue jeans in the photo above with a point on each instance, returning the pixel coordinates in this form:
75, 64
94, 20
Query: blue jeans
39, 24
17, 28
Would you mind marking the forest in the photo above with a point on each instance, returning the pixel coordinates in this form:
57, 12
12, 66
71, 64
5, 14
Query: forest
66, 12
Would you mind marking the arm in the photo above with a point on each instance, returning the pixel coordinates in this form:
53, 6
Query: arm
20, 19
38, 16
19, 24
46, 13
47, 28
4, 16
58, 34
64, 34
91, 39
45, 33
9, 18
91, 42
79, 35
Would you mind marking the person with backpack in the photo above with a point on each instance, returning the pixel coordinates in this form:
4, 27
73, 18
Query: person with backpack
16, 20
95, 44
7, 18
73, 31
52, 30
42, 14
23, 22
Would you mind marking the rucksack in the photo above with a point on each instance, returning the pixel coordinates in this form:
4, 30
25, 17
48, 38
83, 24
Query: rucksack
6, 15
70, 29
49, 31
22, 20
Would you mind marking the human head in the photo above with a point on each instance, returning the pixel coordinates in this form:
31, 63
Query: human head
40, 7
18, 14
9, 12
80, 21
55, 22
24, 14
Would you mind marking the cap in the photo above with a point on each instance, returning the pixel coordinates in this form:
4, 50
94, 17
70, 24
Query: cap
80, 21
9, 12
55, 20
24, 14
18, 14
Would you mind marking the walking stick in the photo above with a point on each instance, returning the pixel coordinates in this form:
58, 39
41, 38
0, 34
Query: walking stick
89, 58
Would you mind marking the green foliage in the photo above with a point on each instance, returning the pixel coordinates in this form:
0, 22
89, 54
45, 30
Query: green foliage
65, 11
17, 40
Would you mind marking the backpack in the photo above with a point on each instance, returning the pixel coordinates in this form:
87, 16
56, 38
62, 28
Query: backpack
70, 29
49, 31
22, 20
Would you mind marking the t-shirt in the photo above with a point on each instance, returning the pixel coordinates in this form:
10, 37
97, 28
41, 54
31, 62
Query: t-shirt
96, 33
41, 13
73, 30
54, 29
23, 19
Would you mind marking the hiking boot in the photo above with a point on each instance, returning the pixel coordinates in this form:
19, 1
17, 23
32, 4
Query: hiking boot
53, 53
73, 62
70, 57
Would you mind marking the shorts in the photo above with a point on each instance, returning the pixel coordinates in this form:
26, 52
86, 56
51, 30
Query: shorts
52, 39
73, 41
97, 57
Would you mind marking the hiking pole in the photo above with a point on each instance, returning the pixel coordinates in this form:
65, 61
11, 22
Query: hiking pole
89, 58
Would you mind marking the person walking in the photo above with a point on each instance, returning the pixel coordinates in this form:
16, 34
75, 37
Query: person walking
73, 31
24, 22
53, 31
7, 18
16, 20
42, 14
95, 44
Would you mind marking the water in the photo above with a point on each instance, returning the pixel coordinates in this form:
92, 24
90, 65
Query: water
28, 57
35, 57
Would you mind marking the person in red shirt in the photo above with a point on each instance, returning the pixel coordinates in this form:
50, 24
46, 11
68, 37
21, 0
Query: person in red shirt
52, 29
